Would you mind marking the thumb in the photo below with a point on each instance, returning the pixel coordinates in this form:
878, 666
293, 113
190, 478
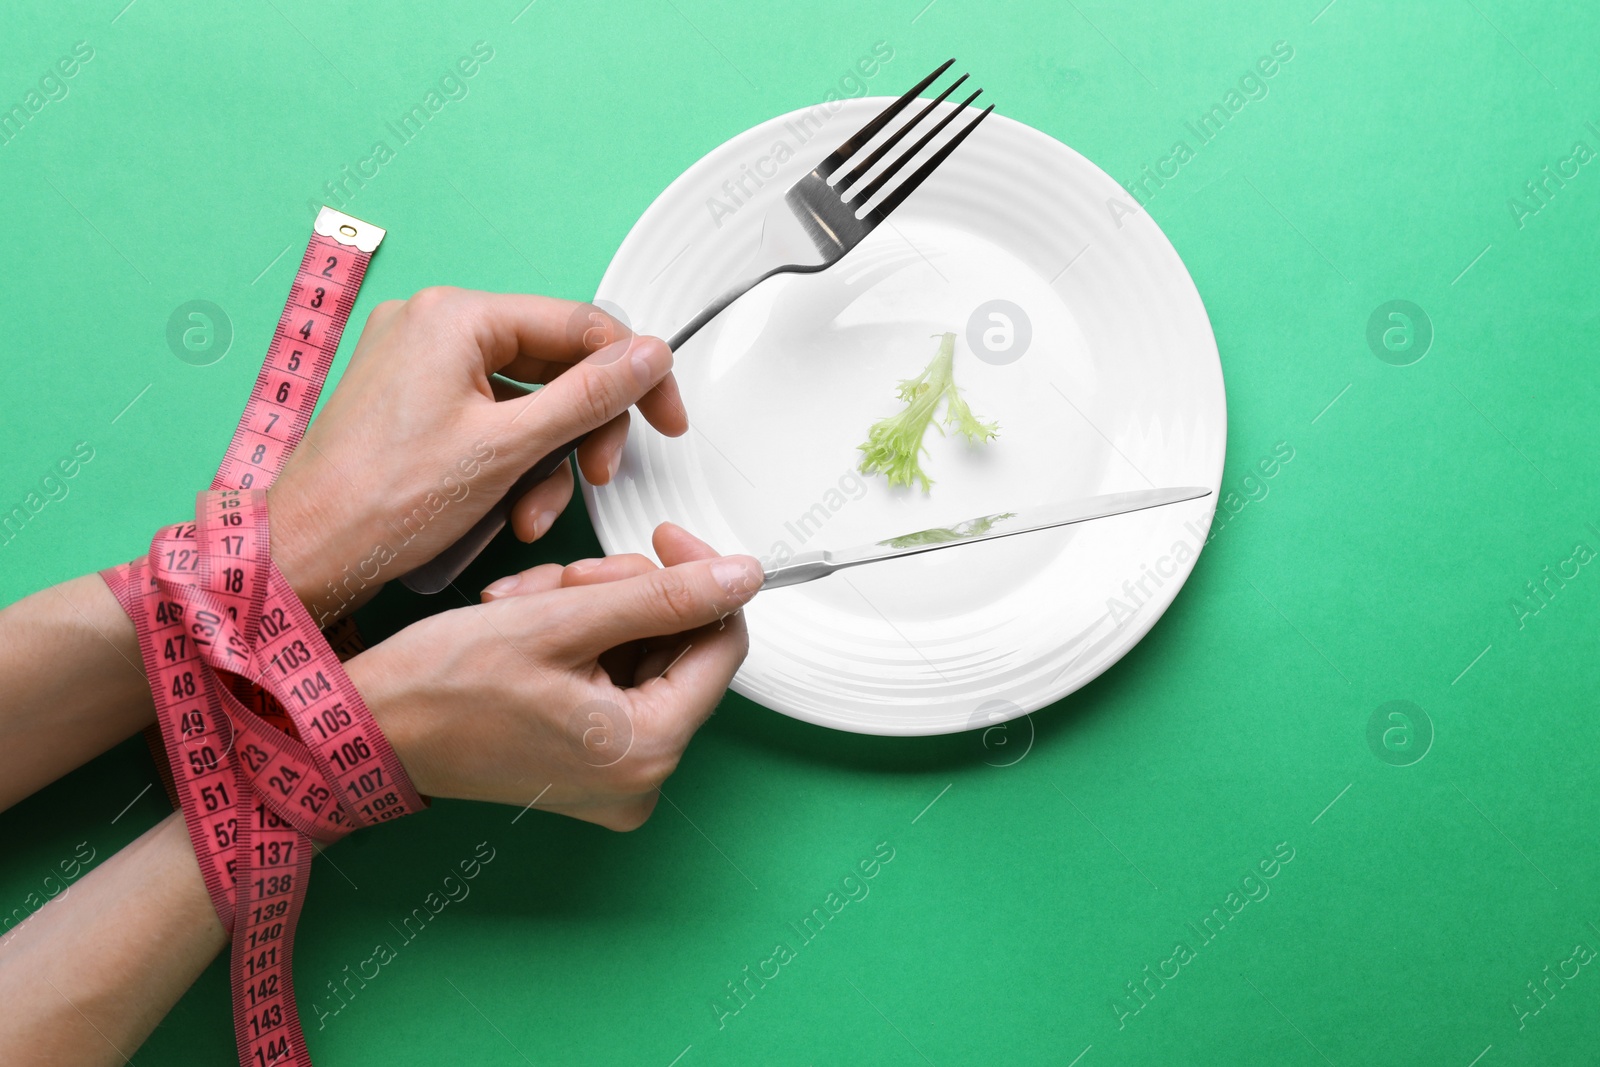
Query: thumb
583, 397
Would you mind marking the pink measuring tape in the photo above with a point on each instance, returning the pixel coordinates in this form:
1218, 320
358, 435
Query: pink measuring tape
267, 743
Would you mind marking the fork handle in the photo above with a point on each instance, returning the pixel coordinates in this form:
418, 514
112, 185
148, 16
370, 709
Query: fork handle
728, 296
717, 306
436, 575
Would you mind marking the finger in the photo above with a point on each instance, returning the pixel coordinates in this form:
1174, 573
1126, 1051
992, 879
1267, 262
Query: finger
621, 664
538, 579
674, 544
591, 328
522, 335
587, 395
666, 601
681, 694
601, 452
663, 408
606, 569
537, 510
683, 681
535, 338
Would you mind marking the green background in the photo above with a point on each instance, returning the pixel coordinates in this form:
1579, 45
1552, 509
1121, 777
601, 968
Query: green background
1382, 563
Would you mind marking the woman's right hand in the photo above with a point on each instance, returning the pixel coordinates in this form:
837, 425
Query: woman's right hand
572, 689
420, 438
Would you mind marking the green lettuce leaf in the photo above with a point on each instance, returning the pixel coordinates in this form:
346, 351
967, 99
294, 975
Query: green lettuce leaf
894, 444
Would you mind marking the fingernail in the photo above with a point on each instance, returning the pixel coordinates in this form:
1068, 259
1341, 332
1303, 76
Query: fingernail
578, 568
504, 587
651, 361
740, 576
613, 464
542, 523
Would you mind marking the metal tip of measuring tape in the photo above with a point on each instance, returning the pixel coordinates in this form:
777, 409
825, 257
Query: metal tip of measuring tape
348, 230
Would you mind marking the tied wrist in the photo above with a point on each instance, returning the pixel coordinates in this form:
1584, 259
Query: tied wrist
210, 597
206, 600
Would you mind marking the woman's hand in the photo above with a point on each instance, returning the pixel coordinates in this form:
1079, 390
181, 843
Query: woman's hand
417, 441
573, 689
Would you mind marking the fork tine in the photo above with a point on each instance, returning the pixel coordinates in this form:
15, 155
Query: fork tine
858, 139
877, 153
907, 187
906, 156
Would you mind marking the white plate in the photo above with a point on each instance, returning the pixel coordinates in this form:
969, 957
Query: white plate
1119, 388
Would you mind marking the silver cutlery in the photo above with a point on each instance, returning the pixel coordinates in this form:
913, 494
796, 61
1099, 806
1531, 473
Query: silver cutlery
831, 216
809, 566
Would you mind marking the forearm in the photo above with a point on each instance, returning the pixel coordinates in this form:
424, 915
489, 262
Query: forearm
87, 977
73, 681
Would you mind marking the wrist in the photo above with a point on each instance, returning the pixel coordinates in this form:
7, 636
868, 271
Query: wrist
307, 552
395, 711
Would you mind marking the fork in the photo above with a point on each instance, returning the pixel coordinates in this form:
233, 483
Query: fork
831, 216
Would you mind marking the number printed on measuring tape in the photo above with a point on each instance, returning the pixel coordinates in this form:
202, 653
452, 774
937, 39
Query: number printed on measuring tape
265, 744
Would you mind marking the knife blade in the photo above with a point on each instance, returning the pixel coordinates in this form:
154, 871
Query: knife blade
809, 566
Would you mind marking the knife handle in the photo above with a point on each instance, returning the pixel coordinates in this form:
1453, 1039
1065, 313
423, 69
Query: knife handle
436, 575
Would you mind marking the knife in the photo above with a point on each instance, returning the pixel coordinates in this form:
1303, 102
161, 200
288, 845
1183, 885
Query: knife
809, 566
